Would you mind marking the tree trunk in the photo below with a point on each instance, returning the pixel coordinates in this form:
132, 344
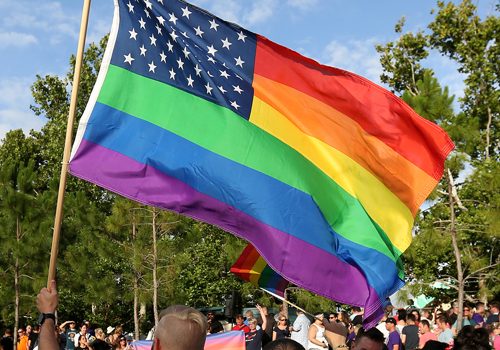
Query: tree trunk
136, 289
488, 128
456, 250
16, 284
155, 267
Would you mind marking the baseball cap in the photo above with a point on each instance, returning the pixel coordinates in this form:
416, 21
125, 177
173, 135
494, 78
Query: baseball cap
391, 320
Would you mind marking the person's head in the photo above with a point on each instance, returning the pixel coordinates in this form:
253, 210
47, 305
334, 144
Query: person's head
318, 318
252, 323
8, 332
28, 329
249, 314
402, 314
372, 339
36, 328
467, 312
435, 345
239, 319
180, 328
442, 322
472, 338
479, 307
283, 344
390, 324
424, 327
356, 310
416, 314
332, 317
282, 321
99, 334
427, 314
82, 342
411, 319
83, 329
494, 307
21, 332
210, 315
72, 325
454, 308
122, 341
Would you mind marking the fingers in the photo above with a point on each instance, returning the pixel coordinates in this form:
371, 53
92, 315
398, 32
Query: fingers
53, 286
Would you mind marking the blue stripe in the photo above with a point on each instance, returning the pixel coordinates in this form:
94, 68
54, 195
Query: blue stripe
254, 193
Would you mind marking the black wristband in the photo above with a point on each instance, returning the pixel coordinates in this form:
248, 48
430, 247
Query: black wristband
43, 317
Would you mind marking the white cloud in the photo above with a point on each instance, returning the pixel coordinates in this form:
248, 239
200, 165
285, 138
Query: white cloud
260, 11
15, 98
16, 39
302, 4
357, 56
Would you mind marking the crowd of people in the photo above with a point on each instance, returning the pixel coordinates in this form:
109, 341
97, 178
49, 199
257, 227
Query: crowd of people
183, 328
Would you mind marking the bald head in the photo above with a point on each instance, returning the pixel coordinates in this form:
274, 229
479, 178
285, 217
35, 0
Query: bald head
181, 328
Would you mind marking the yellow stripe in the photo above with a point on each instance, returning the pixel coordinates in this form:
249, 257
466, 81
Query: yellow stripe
383, 206
256, 270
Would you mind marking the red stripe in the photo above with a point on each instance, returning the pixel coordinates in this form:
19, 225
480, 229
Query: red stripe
245, 262
379, 112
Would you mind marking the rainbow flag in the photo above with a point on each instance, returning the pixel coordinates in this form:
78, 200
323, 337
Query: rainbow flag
234, 340
251, 267
320, 169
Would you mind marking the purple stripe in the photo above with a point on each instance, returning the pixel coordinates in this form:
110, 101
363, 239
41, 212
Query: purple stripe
298, 261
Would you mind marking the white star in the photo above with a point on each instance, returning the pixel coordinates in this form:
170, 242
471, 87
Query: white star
224, 74
153, 40
237, 76
211, 50
186, 52
160, 1
213, 25
235, 105
158, 29
148, 4
241, 36
152, 66
190, 81
128, 59
221, 88
239, 61
163, 57
170, 47
237, 89
172, 19
198, 31
147, 13
161, 20
143, 50
173, 35
209, 74
186, 12
180, 63
185, 34
198, 70
133, 34
130, 7
209, 88
172, 73
226, 43
211, 59
142, 23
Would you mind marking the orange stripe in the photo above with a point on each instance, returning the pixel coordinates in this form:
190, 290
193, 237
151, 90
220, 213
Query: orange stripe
378, 112
317, 119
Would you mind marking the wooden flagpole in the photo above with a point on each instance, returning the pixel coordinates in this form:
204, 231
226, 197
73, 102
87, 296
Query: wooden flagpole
67, 145
286, 301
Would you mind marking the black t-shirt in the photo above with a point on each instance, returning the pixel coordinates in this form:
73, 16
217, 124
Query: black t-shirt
253, 340
412, 338
99, 344
7, 343
215, 327
33, 337
358, 319
281, 333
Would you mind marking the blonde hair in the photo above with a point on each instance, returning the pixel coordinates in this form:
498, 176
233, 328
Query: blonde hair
181, 328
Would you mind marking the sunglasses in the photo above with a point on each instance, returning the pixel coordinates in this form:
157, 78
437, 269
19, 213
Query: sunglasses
331, 317
282, 319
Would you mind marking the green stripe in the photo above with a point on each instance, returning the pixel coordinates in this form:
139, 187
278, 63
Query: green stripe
221, 131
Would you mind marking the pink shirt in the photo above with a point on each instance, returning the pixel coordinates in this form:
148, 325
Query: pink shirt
424, 338
496, 343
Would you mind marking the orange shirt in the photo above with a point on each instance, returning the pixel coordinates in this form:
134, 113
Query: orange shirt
23, 343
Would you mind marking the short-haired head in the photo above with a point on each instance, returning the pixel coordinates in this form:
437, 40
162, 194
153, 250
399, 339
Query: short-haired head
283, 344
370, 339
181, 328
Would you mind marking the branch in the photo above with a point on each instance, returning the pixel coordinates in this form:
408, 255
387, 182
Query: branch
454, 193
479, 270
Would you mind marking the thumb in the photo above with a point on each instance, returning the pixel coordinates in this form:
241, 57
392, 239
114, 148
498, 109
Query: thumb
53, 286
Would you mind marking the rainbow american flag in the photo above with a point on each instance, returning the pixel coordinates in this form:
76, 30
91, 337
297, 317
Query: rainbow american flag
234, 340
251, 267
320, 169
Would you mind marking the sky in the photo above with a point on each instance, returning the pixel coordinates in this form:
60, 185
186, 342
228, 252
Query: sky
38, 37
